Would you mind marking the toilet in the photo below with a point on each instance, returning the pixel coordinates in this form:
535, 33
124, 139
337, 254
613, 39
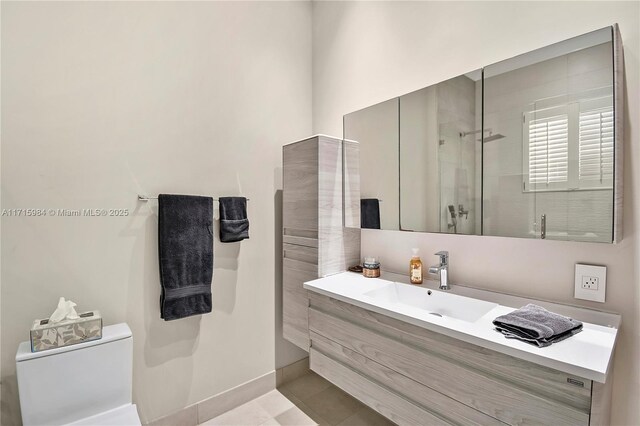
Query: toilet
84, 384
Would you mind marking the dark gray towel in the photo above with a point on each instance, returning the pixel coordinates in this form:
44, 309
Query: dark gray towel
185, 245
370, 213
234, 225
535, 325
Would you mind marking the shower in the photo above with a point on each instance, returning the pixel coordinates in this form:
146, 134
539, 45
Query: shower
489, 138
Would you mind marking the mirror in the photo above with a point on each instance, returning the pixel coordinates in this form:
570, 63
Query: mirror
529, 147
548, 147
376, 131
440, 156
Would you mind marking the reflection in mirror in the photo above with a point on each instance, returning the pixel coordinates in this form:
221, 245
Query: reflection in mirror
548, 155
376, 131
351, 183
529, 147
440, 156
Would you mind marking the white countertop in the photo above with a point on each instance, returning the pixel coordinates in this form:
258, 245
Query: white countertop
587, 354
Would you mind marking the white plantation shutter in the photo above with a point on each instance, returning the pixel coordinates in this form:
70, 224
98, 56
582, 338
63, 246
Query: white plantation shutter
596, 147
569, 147
549, 150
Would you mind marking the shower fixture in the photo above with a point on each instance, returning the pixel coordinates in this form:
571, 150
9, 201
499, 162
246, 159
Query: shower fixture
492, 137
489, 138
454, 219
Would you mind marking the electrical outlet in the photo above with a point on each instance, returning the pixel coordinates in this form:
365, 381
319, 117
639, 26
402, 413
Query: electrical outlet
590, 282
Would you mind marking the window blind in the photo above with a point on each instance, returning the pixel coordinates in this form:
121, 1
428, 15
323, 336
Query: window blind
569, 147
549, 150
595, 145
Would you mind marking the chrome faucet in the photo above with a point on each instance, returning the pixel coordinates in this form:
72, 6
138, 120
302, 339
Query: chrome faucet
442, 269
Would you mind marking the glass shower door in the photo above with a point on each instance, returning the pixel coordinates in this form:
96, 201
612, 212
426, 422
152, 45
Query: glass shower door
456, 163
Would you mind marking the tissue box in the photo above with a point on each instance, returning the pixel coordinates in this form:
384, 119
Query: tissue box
46, 335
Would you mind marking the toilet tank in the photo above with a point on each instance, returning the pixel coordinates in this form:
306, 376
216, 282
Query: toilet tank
63, 385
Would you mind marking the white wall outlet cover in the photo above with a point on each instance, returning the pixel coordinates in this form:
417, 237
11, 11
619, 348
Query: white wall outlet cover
590, 282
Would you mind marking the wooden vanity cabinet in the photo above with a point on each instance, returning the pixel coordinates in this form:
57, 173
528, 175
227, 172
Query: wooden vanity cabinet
415, 376
315, 243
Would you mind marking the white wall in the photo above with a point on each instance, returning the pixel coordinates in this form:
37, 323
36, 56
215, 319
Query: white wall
102, 101
385, 49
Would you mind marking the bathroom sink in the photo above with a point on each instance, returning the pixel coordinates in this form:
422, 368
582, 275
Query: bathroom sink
438, 303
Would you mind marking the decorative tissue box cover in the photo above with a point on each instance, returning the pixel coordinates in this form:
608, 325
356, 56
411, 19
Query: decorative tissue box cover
45, 335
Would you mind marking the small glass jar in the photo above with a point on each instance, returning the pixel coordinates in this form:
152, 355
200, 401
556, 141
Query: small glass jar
371, 267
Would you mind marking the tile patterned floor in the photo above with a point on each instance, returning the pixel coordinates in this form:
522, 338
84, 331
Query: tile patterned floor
306, 401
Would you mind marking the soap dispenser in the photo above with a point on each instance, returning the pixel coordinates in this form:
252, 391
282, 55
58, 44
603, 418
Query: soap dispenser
415, 268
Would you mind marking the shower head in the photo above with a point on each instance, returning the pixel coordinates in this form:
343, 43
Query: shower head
492, 138
489, 138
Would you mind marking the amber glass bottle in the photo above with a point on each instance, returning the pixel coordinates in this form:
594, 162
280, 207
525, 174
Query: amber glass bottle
415, 268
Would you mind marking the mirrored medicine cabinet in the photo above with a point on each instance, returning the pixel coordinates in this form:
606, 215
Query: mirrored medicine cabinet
529, 147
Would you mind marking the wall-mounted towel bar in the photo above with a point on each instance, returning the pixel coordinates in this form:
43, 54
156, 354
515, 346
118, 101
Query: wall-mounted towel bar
145, 198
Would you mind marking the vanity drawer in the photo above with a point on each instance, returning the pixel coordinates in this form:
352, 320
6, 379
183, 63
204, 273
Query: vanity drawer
387, 403
296, 265
300, 264
449, 370
295, 321
295, 301
300, 237
300, 241
300, 253
443, 408
552, 384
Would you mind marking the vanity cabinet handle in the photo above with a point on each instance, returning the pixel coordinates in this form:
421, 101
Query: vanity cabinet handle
575, 382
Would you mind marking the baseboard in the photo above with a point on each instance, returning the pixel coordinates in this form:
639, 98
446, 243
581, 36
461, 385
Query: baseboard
188, 416
212, 407
291, 372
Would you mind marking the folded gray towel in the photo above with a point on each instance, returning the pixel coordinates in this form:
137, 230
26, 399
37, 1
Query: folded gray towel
185, 246
234, 225
535, 325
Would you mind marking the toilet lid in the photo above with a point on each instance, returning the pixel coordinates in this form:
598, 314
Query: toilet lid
127, 415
